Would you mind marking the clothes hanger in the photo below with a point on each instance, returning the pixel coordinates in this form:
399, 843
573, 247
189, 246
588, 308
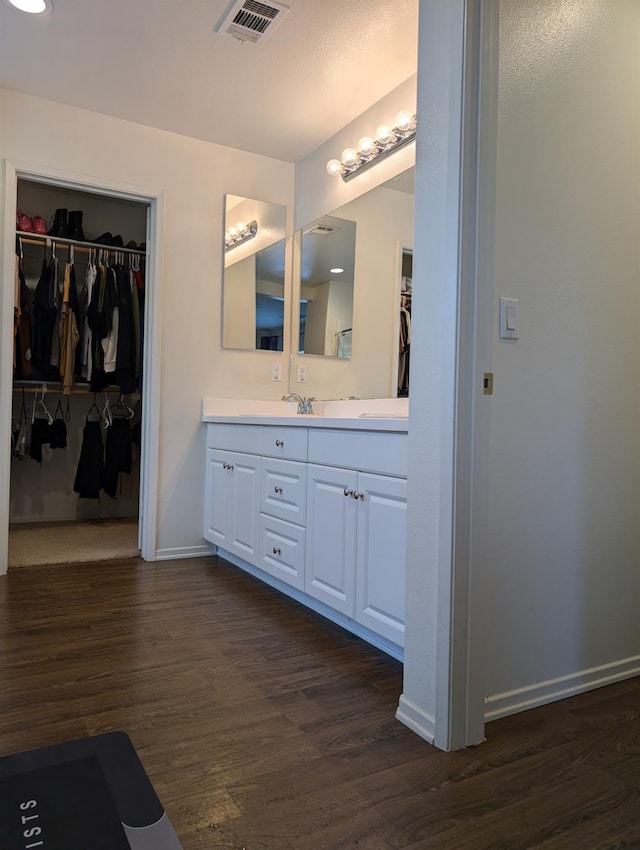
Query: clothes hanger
107, 419
40, 401
94, 409
120, 405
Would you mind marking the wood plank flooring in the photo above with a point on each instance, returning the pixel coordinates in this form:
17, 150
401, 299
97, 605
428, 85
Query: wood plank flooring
264, 727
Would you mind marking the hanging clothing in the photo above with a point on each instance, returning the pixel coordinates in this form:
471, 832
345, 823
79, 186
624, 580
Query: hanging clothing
118, 454
90, 471
68, 328
22, 350
86, 358
44, 322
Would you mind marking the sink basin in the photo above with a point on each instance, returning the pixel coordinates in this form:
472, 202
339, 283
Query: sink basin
383, 416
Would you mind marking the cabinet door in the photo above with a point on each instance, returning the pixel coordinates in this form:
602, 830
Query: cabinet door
331, 537
244, 507
381, 558
216, 501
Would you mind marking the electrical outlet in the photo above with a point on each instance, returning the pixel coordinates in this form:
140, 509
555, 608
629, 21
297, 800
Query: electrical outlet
276, 373
302, 374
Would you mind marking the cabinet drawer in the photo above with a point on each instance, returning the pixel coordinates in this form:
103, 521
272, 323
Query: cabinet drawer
289, 443
234, 438
284, 489
368, 451
282, 547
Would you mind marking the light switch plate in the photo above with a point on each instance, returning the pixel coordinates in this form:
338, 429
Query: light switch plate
509, 318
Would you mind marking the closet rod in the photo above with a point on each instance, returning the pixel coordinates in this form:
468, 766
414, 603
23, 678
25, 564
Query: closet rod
85, 247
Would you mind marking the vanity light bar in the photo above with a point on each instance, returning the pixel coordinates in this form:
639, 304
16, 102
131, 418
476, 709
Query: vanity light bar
240, 233
387, 141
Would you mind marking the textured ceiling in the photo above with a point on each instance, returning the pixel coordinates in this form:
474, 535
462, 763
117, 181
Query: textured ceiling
160, 63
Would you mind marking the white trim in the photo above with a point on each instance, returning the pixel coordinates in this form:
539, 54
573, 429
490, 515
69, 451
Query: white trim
531, 696
7, 220
416, 719
175, 553
153, 337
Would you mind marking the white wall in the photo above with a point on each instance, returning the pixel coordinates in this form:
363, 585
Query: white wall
194, 176
561, 554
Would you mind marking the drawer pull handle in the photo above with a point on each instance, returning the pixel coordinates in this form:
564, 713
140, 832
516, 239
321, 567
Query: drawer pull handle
348, 492
276, 551
278, 489
279, 443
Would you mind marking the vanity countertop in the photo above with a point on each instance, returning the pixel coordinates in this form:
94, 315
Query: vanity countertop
389, 414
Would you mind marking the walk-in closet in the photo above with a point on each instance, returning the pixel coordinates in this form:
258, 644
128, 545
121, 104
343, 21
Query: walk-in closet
78, 374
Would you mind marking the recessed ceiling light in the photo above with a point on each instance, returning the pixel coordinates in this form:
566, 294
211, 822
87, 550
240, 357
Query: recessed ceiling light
32, 7
336, 271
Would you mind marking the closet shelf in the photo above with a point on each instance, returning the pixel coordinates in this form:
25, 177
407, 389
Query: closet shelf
54, 388
37, 239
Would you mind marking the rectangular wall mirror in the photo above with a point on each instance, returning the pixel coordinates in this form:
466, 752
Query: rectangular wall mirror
253, 306
354, 326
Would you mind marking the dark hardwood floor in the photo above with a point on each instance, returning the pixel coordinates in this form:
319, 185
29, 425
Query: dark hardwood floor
263, 726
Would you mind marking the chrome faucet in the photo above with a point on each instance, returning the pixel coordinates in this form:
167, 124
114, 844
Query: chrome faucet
304, 404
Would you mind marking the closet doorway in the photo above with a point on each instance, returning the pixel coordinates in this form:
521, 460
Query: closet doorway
53, 511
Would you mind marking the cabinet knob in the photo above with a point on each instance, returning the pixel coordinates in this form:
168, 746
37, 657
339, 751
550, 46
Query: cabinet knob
225, 466
278, 489
230, 466
348, 492
279, 443
276, 551
357, 495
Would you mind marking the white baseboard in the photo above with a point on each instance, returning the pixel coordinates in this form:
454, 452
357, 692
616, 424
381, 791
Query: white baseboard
416, 719
531, 696
177, 552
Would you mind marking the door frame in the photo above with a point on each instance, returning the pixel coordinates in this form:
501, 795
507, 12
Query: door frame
150, 423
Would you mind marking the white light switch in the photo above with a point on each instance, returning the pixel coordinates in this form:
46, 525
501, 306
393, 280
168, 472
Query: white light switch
509, 318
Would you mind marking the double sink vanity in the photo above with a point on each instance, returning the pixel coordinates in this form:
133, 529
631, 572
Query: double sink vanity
314, 504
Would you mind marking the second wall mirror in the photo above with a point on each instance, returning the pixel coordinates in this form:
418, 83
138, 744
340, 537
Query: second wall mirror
253, 307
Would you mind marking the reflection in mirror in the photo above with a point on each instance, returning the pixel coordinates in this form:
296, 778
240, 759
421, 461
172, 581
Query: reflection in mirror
378, 228
327, 270
253, 308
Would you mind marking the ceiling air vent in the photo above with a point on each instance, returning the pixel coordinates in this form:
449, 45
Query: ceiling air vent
253, 21
320, 230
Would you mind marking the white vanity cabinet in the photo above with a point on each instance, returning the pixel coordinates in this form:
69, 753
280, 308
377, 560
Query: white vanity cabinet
320, 513
283, 506
231, 502
356, 533
232, 490
356, 546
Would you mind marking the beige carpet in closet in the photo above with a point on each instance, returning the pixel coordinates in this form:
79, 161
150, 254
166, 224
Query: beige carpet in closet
70, 542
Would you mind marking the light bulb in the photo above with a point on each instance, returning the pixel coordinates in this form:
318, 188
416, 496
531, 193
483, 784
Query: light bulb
404, 121
384, 134
366, 146
233, 232
334, 167
349, 157
242, 228
33, 7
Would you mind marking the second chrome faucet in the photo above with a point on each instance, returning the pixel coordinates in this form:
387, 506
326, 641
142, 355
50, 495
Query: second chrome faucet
304, 404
